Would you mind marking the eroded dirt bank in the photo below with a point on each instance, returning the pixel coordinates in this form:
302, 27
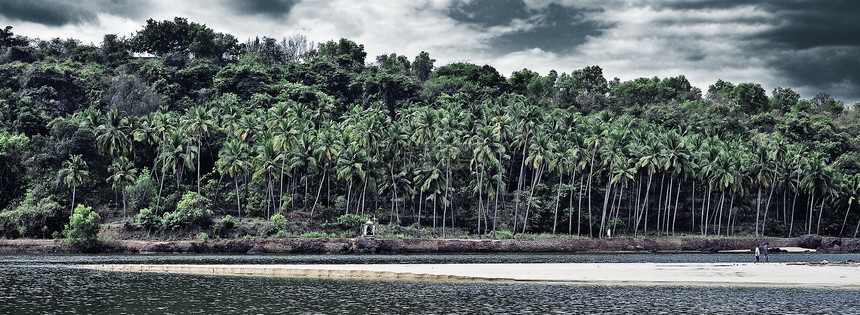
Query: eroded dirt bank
344, 245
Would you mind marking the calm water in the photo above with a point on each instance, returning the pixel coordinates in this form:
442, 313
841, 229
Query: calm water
40, 284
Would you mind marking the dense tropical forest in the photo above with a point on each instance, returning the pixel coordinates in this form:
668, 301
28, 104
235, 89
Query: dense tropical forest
179, 125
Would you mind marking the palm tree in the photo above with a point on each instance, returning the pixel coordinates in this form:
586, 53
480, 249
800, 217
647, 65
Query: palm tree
326, 149
447, 152
851, 188
113, 134
265, 163
761, 171
351, 162
197, 121
541, 154
73, 173
233, 161
124, 174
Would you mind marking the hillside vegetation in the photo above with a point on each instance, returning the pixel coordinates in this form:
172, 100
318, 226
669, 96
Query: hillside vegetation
182, 128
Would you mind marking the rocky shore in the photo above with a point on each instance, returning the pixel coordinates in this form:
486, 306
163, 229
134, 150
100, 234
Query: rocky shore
371, 245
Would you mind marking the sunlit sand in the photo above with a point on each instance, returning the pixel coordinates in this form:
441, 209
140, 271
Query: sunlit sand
837, 275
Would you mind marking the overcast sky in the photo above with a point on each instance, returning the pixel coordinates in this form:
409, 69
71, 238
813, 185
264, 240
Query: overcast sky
811, 46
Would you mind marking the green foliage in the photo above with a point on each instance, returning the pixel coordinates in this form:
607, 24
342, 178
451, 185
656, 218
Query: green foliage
349, 221
282, 234
190, 211
501, 234
147, 219
203, 237
616, 225
228, 222
34, 216
279, 221
83, 228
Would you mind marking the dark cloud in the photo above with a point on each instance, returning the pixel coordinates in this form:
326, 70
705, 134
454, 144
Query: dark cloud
60, 12
271, 8
48, 12
834, 70
554, 28
488, 13
808, 24
814, 46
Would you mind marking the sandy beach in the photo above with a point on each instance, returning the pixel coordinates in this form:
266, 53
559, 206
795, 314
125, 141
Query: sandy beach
834, 275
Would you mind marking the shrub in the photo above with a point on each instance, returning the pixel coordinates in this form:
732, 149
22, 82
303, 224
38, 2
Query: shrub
189, 211
617, 226
83, 228
279, 221
501, 234
33, 216
147, 219
203, 237
228, 222
349, 221
282, 234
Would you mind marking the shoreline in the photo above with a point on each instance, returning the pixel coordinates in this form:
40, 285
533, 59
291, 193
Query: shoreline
832, 275
808, 243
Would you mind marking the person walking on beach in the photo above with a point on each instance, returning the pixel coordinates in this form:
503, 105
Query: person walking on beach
765, 252
756, 253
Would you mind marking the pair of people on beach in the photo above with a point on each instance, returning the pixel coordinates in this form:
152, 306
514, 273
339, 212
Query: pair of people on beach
757, 251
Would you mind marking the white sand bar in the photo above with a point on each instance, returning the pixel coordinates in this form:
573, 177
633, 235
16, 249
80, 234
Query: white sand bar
839, 275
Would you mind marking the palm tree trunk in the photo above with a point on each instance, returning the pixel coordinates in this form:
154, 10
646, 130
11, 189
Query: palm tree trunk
520, 183
420, 206
319, 190
445, 204
820, 212
557, 200
160, 189
579, 205
693, 207
605, 204
590, 174
238, 203
281, 183
720, 209
791, 225
537, 175
73, 199
570, 204
644, 211
123, 203
757, 209
845, 220
766, 208
348, 195
677, 197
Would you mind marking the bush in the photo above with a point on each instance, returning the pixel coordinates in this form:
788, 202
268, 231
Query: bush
228, 222
501, 234
279, 221
617, 226
203, 237
189, 211
147, 219
349, 221
83, 228
33, 217
282, 234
